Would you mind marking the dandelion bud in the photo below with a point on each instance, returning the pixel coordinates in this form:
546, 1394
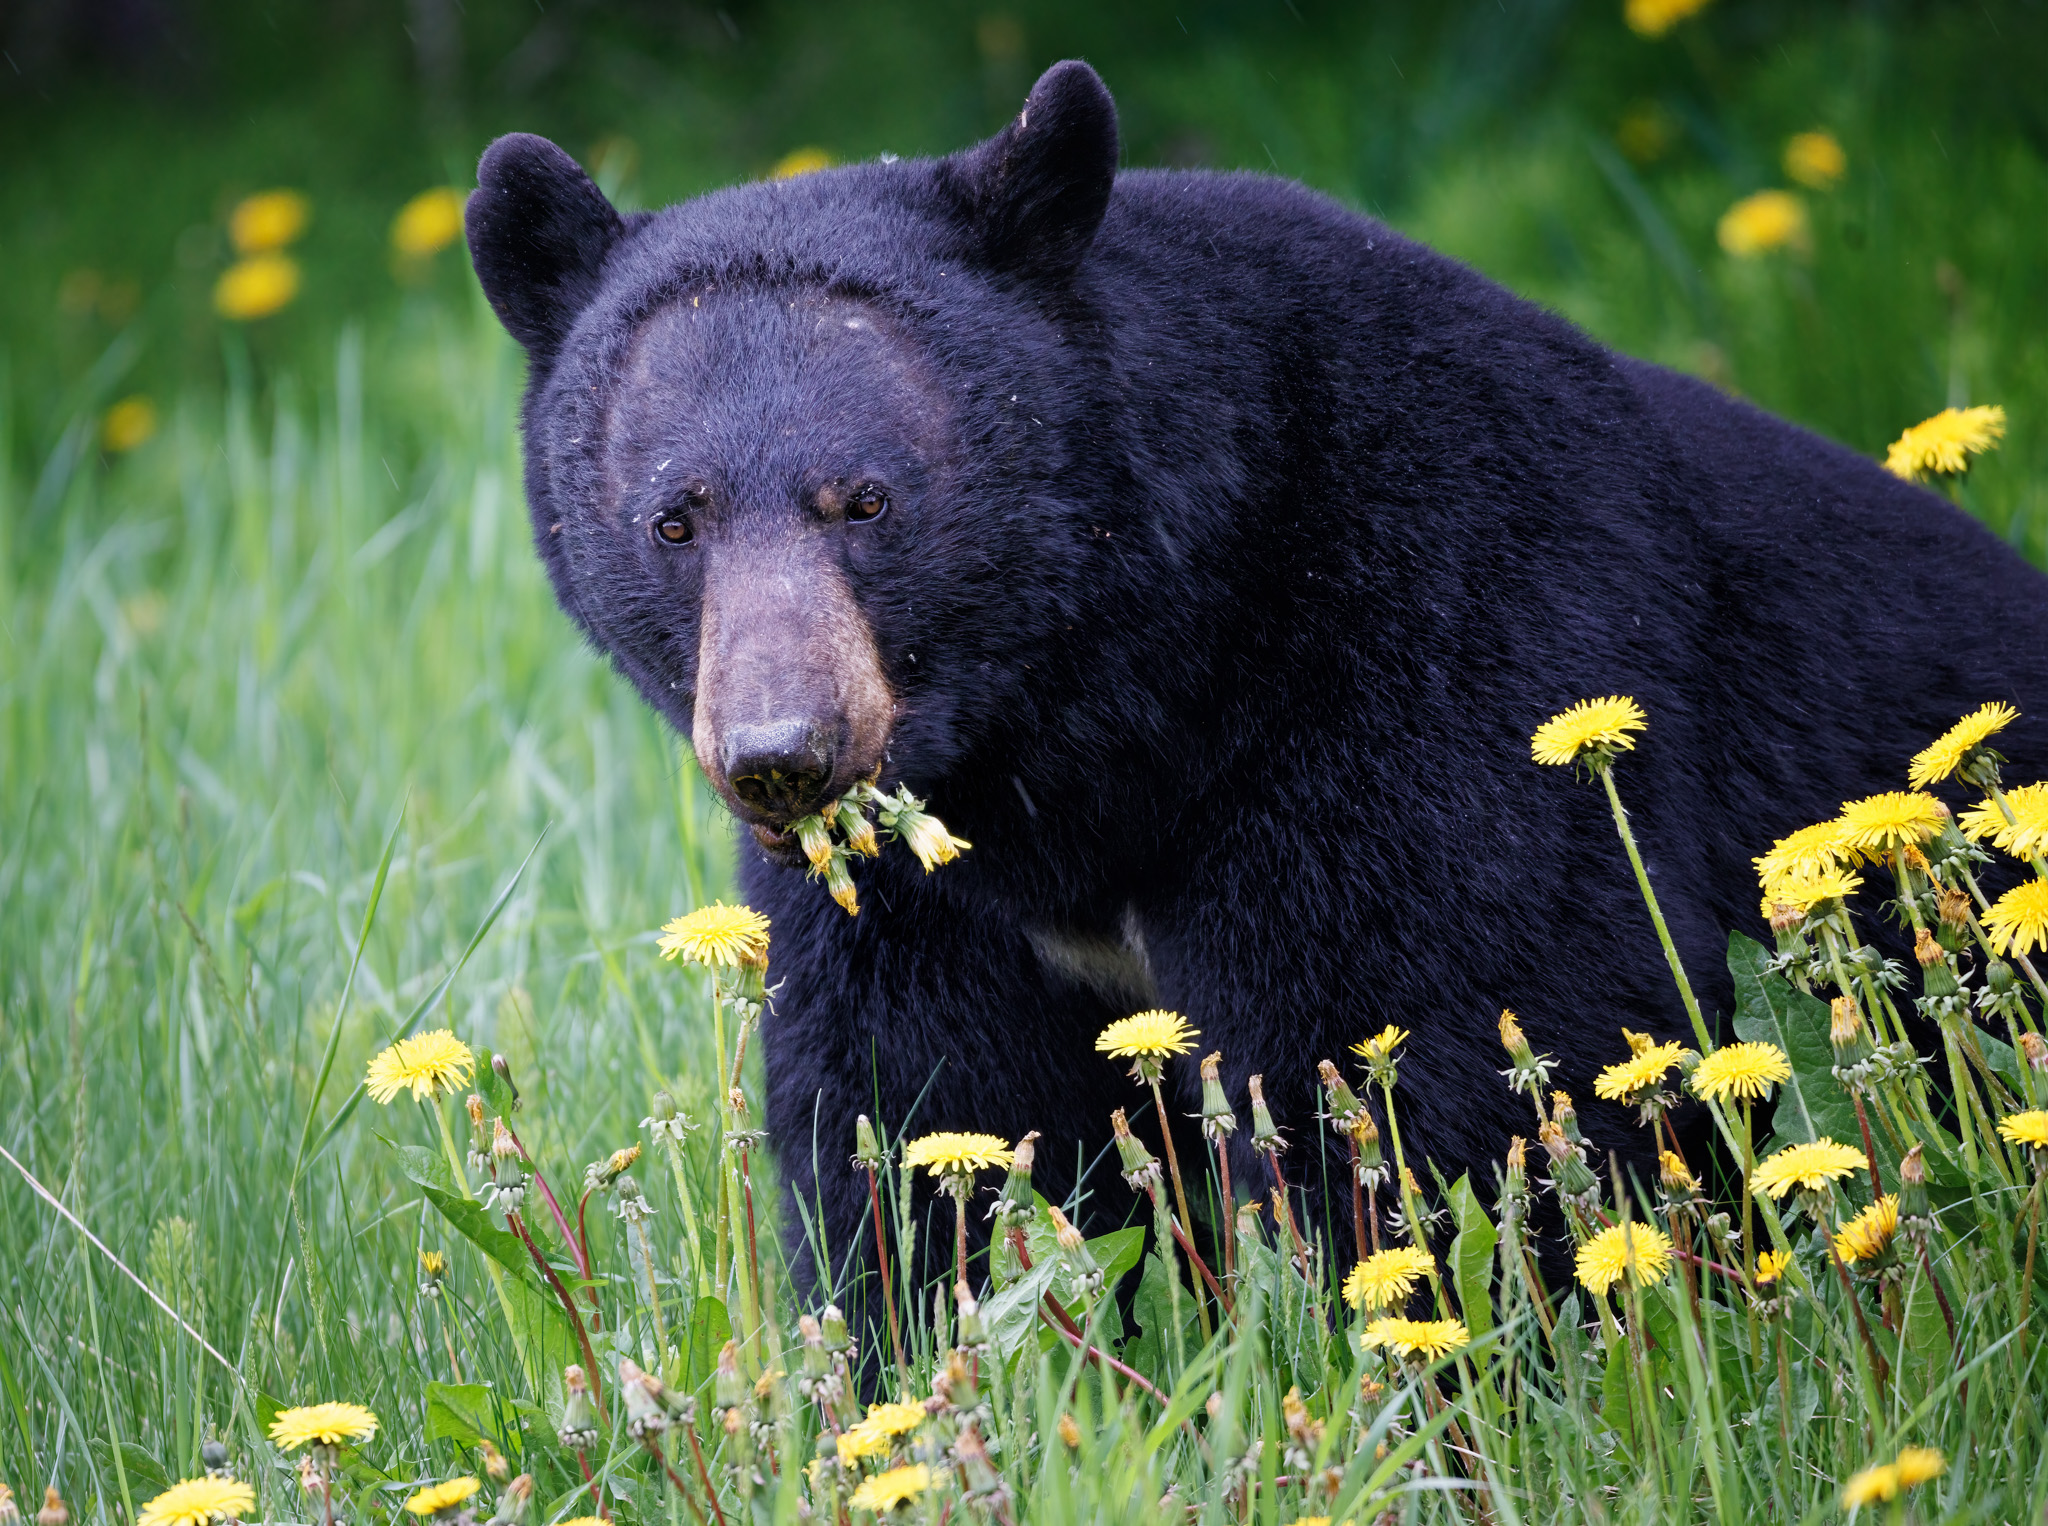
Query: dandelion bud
1568, 1170
1017, 1202
1925, 950
645, 1415
1518, 1165
729, 1389
579, 1415
1219, 1118
969, 1330
1513, 1041
1998, 978
1846, 1031
1141, 1167
507, 1189
479, 1157
832, 1326
867, 1148
1248, 1221
860, 832
1565, 1116
433, 1268
514, 1502
840, 884
1916, 1214
495, 1465
815, 838
1372, 1165
1914, 858
1070, 1433
1265, 1135
629, 1202
54, 1511
1784, 917
2034, 1049
1344, 1107
1673, 1174
503, 1067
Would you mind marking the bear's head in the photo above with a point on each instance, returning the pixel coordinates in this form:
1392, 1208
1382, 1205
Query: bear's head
801, 455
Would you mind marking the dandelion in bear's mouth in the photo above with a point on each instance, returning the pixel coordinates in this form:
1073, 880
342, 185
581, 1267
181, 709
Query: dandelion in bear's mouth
1942, 757
428, 1064
718, 934
1593, 730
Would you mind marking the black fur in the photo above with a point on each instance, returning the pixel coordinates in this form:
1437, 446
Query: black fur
1238, 546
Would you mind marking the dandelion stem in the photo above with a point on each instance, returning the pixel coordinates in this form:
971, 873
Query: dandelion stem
1635, 859
1229, 1216
1063, 1323
675, 1479
2027, 1277
1878, 1372
518, 1227
1180, 1200
888, 1295
704, 1473
547, 1195
1357, 1200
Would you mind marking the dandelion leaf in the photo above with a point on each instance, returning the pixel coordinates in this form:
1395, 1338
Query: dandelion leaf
1010, 1314
146, 1476
710, 1329
1770, 1010
466, 1413
1471, 1257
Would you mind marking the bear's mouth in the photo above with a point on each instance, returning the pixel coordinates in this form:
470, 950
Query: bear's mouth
778, 846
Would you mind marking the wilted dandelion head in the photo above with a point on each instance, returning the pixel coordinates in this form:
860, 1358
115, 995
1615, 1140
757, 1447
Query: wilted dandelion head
1815, 159
927, 838
198, 1502
1653, 18
2026, 835
1809, 1167
256, 287
1741, 1070
1770, 1266
429, 223
427, 1064
436, 1498
1385, 1279
1763, 223
1941, 757
268, 221
885, 1491
1640, 1072
949, 1154
2029, 1128
2017, 922
1877, 824
1942, 446
718, 934
328, 1425
1601, 727
1865, 1237
1427, 1338
1149, 1035
1640, 1251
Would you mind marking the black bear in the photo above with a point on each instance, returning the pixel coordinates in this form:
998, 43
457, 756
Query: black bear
1205, 553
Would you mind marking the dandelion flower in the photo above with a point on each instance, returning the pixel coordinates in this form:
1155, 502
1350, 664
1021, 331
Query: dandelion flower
1917, 1465
1942, 446
129, 425
1429, 1338
2026, 835
1642, 1071
1152, 1035
198, 1502
928, 838
1873, 826
2028, 1128
1381, 1046
327, 1425
1815, 159
436, 1498
427, 1063
267, 221
1741, 1070
895, 1419
1386, 1278
1865, 1237
1770, 1266
885, 1491
958, 1154
584, 1520
1808, 851
1803, 892
800, 161
1945, 754
2017, 921
1641, 1251
1883, 1483
859, 1442
1592, 725
717, 934
1763, 222
429, 223
1808, 1166
1653, 18
256, 287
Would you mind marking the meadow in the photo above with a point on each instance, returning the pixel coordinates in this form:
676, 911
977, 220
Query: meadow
296, 755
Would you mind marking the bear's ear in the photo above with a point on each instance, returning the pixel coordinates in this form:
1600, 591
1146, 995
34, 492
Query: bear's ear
1035, 192
538, 234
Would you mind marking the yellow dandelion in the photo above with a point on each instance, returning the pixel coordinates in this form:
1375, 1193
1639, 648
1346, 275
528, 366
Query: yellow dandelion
129, 425
1815, 159
1770, 1266
717, 934
1430, 1338
885, 1491
267, 221
1592, 725
256, 287
436, 1498
1808, 1166
2028, 1128
1741, 1070
1153, 1035
800, 161
2017, 922
1917, 1465
1641, 1072
198, 1502
1762, 223
1311, 1520
433, 1265
895, 1419
428, 1064
1942, 446
858, 1442
584, 1520
327, 1425
1865, 1237
1386, 1278
1808, 851
429, 223
1870, 1487
2026, 835
958, 1154
1636, 1250
1381, 1046
1941, 757
1653, 18
1875, 825
1806, 891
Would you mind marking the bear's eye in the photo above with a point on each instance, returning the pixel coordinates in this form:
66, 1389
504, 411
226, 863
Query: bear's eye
674, 529
868, 502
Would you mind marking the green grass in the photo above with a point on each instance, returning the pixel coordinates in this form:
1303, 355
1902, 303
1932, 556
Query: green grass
304, 622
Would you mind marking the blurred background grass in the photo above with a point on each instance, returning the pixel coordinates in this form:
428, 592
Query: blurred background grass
303, 607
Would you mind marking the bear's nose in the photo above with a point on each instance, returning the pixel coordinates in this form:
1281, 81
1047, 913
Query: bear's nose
780, 769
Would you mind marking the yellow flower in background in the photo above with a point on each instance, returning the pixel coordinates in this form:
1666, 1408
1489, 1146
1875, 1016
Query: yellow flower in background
1764, 222
2026, 835
717, 934
1873, 826
129, 424
327, 1425
1945, 754
1380, 1048
1808, 1166
256, 287
1810, 850
1653, 18
1770, 1266
429, 223
885, 1491
895, 1419
1152, 1034
2028, 1128
1918, 1465
1431, 1338
1639, 1073
267, 221
1592, 725
2017, 921
428, 1064
1741, 1070
1865, 1237
436, 1498
197, 1502
1640, 1251
1942, 446
1815, 159
800, 161
1387, 1277
1885, 1482
859, 1442
957, 1154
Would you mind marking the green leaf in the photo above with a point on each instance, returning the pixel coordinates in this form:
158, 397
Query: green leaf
467, 1413
1770, 1010
1471, 1256
146, 1476
491, 1086
430, 1173
1010, 1314
710, 1329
